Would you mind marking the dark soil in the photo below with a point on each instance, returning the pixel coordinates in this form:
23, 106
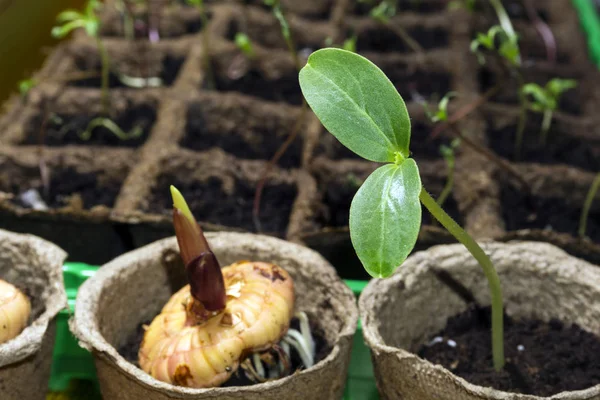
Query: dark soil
168, 72
130, 349
425, 83
542, 358
380, 38
561, 148
209, 203
522, 212
253, 83
66, 183
65, 129
241, 143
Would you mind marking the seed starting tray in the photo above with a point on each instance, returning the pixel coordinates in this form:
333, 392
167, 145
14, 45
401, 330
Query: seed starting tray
212, 131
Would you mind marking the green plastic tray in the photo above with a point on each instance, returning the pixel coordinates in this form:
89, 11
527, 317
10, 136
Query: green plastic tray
590, 22
73, 367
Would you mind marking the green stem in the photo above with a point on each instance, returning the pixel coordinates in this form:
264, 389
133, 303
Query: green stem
449, 184
503, 18
287, 35
112, 127
210, 78
488, 269
546, 122
105, 70
588, 205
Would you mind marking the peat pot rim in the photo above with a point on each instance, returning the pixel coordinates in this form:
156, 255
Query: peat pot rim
85, 326
28, 250
547, 257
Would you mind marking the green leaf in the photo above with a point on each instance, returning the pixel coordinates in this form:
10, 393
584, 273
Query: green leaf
557, 86
357, 103
385, 217
68, 15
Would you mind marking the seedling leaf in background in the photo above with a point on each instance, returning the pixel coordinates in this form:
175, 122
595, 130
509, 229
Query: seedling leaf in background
373, 123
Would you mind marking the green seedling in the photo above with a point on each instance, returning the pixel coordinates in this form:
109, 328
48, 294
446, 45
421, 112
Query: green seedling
545, 100
289, 40
448, 153
468, 5
98, 122
201, 6
383, 13
589, 199
350, 43
70, 20
441, 114
275, 6
244, 43
359, 105
508, 48
25, 86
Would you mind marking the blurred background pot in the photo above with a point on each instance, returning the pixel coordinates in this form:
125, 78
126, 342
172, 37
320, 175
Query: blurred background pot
133, 288
35, 267
401, 313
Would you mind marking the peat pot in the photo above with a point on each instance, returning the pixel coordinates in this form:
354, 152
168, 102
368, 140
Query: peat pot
35, 267
133, 288
402, 313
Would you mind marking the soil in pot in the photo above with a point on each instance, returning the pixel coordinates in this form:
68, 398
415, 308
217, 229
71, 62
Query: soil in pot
380, 38
523, 212
130, 349
242, 133
210, 203
543, 358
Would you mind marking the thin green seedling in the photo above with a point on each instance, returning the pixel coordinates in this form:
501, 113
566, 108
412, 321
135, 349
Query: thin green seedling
447, 153
545, 100
383, 13
350, 43
70, 20
244, 43
101, 122
441, 116
496, 40
289, 40
587, 206
275, 6
206, 58
360, 106
25, 87
468, 5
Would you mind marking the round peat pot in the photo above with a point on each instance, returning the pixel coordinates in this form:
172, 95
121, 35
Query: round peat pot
133, 288
35, 267
401, 314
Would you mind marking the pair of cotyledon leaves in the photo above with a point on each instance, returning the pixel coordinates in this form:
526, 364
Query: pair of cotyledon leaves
359, 105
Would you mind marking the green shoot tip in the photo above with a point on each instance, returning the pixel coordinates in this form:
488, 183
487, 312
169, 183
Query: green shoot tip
180, 204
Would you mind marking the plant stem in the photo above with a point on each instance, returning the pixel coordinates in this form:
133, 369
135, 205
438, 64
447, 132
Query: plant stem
112, 127
504, 19
546, 122
488, 269
588, 205
287, 35
210, 78
105, 70
449, 185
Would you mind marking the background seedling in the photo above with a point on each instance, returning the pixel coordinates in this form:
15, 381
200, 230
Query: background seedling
206, 59
359, 105
496, 39
448, 153
103, 122
383, 13
441, 116
289, 40
244, 43
545, 100
588, 205
70, 20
